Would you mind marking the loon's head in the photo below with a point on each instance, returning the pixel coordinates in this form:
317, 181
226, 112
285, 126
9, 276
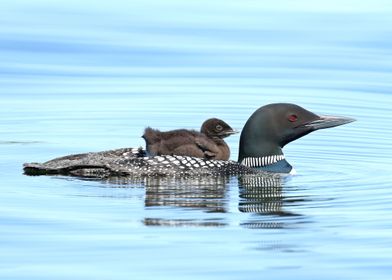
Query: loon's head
216, 128
273, 126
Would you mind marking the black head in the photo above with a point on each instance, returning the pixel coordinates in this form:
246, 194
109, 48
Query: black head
272, 126
216, 128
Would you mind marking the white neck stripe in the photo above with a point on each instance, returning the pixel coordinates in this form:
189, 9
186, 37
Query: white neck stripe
261, 161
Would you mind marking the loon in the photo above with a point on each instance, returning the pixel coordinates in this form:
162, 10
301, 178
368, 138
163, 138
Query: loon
264, 135
208, 143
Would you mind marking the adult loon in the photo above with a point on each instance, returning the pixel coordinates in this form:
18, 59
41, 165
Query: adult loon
264, 135
208, 143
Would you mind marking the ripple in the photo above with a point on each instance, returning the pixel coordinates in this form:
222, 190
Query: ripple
20, 142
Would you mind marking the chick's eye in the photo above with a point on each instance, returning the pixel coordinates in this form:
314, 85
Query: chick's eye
219, 127
293, 118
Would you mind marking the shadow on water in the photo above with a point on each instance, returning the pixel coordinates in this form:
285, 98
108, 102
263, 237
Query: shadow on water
262, 201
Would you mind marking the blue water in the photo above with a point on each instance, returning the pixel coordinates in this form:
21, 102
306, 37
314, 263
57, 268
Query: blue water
79, 76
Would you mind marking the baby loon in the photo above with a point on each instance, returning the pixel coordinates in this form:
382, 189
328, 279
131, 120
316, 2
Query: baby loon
208, 143
264, 135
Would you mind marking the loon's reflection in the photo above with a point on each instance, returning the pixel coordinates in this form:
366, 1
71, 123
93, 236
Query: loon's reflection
183, 222
207, 193
204, 193
261, 196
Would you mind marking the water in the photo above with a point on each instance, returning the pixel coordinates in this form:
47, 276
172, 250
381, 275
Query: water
78, 77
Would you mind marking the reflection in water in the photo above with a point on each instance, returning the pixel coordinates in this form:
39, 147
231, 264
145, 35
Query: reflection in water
263, 196
207, 193
260, 196
263, 200
182, 222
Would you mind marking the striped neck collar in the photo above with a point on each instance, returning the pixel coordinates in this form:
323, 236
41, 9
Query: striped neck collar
256, 162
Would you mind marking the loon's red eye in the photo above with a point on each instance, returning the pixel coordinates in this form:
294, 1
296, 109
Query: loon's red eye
293, 118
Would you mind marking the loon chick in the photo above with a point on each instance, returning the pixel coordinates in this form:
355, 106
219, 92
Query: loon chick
264, 135
208, 143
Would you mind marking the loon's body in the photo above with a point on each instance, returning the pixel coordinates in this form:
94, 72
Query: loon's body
128, 162
264, 135
208, 143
